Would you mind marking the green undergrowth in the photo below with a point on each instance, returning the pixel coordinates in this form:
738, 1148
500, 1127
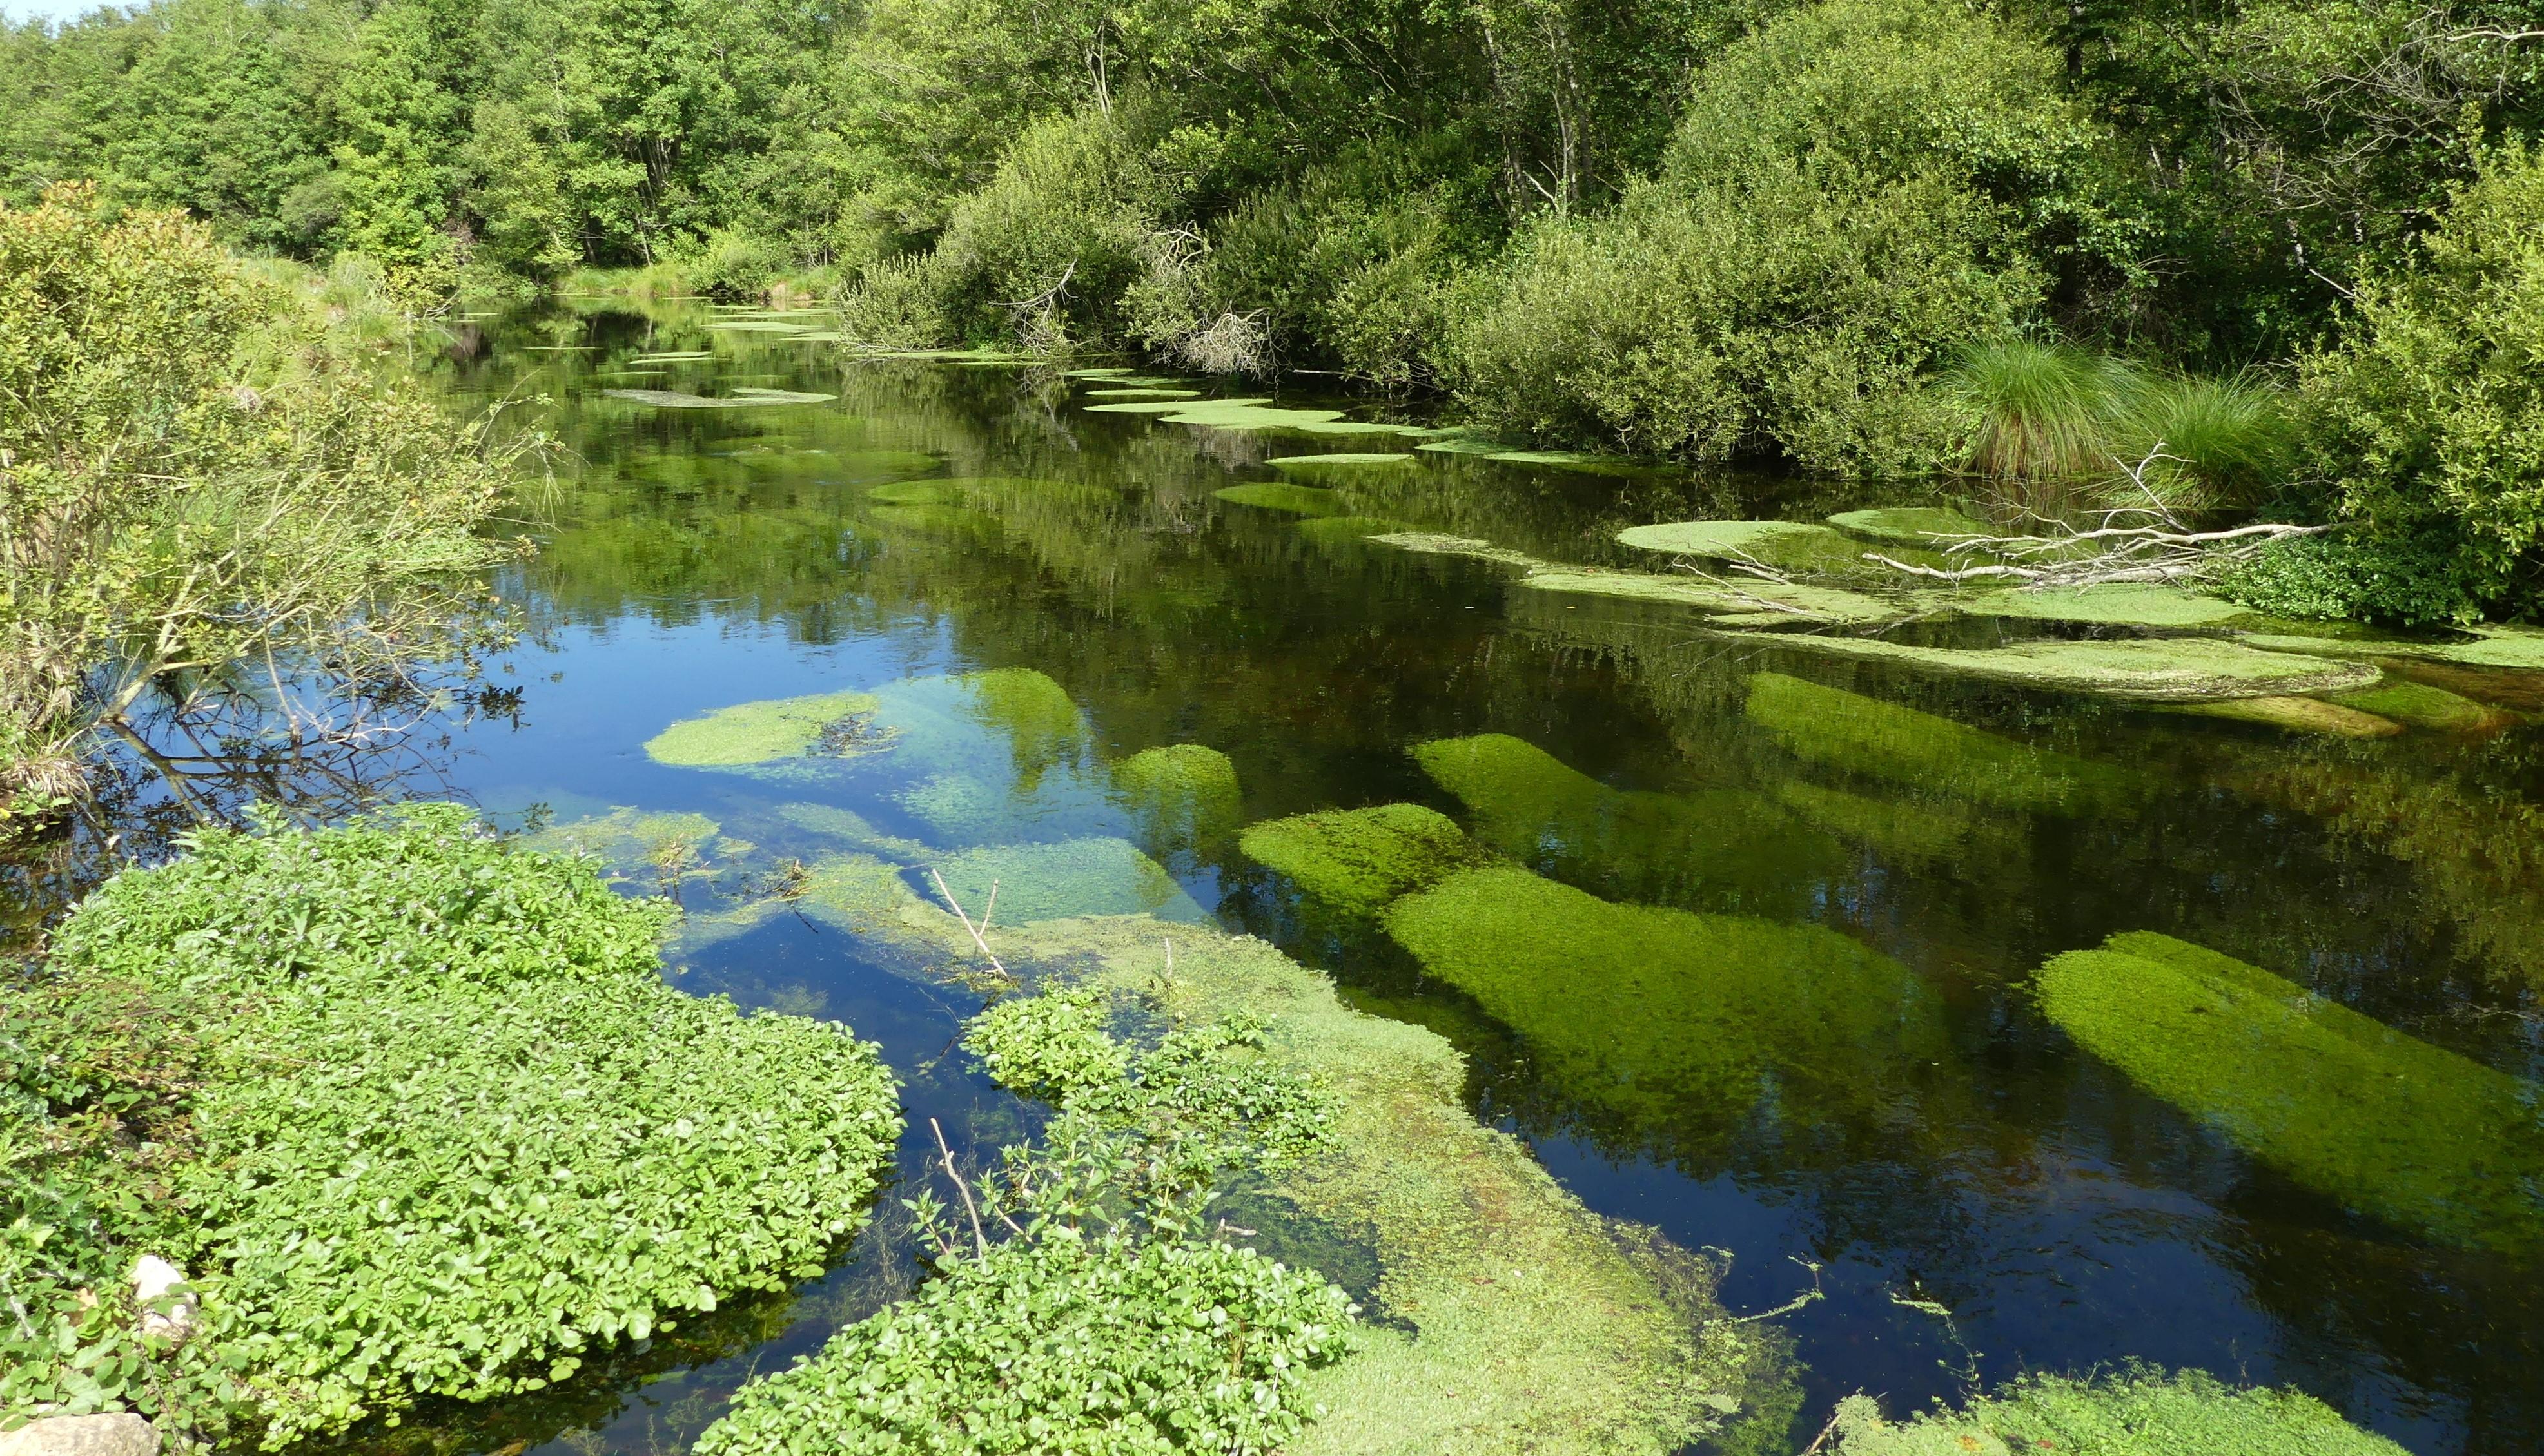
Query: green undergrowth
1673, 1024
2139, 1412
450, 1131
1714, 849
2385, 1124
1848, 733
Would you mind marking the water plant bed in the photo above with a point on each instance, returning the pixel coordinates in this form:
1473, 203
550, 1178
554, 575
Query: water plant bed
1341, 462
1748, 601
740, 399
1909, 525
2516, 647
1168, 406
2384, 1124
1849, 732
1281, 496
2121, 604
2301, 715
2171, 670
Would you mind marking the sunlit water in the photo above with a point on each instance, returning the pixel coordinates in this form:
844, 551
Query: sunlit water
2013, 1205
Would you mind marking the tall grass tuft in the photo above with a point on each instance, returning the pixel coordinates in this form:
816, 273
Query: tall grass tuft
2043, 411
2226, 440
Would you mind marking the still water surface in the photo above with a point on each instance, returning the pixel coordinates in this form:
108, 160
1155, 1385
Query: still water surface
2011, 1204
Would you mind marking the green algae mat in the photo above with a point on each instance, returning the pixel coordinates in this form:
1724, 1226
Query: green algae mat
2387, 1124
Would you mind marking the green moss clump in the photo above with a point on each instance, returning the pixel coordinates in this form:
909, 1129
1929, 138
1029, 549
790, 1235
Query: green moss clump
1355, 861
1050, 881
1776, 541
2387, 1124
2300, 716
1334, 529
1909, 525
1675, 1023
1914, 831
1853, 734
456, 1132
2138, 1412
1250, 415
2119, 603
1312, 466
1429, 543
1719, 849
2422, 705
753, 733
1284, 497
2184, 670
740, 399
1174, 407
1754, 603
1184, 799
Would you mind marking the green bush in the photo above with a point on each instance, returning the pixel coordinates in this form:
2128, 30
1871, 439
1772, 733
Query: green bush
1046, 252
452, 1128
2423, 577
2426, 422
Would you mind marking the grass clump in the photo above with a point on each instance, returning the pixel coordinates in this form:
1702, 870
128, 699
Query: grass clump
2387, 1124
833, 725
2041, 411
1670, 1020
1356, 861
2139, 1412
449, 1129
1853, 734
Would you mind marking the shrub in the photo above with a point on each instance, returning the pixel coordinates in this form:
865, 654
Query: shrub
1046, 251
734, 264
2042, 411
2427, 420
2420, 579
454, 1128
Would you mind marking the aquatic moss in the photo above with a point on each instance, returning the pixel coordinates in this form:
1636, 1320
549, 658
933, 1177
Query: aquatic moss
858, 466
2139, 1412
2154, 669
1049, 881
2513, 647
1464, 444
1853, 734
1914, 831
2117, 603
1250, 415
916, 492
1519, 1321
1362, 427
1432, 544
1673, 1022
1340, 463
2301, 715
1163, 408
830, 723
2422, 705
1908, 526
1356, 861
1144, 393
1328, 529
1723, 849
740, 399
1185, 799
1727, 540
675, 356
1283, 497
2385, 1124
1751, 603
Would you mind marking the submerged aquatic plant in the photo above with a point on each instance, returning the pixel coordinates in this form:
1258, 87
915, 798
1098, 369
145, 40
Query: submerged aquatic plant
747, 734
2137, 1412
2383, 1122
1850, 733
1356, 861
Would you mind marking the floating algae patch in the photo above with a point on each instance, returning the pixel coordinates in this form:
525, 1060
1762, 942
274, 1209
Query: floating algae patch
757, 326
1356, 861
1464, 444
1250, 415
673, 356
1144, 393
2514, 647
1008, 756
1364, 427
1909, 525
1339, 463
2136, 1411
1334, 528
2153, 669
1429, 543
1677, 1025
740, 399
1284, 497
1726, 848
1185, 799
879, 465
750, 734
2300, 716
1535, 1325
635, 842
2421, 706
848, 828
2116, 603
1853, 734
1173, 407
1053, 881
1731, 540
1755, 603
2385, 1124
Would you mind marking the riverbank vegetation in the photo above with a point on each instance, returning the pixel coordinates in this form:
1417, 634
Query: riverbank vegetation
2278, 256
419, 1115
220, 518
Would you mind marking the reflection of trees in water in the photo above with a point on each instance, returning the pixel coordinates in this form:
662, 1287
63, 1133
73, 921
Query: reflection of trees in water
204, 754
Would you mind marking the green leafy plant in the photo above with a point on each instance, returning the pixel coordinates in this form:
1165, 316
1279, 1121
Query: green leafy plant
450, 1129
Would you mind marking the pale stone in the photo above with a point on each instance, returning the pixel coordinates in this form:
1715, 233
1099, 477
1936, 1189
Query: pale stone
119, 1435
152, 1279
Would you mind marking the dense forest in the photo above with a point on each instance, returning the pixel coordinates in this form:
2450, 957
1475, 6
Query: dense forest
2292, 244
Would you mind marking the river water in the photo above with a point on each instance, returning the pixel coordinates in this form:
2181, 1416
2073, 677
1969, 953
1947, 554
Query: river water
2009, 1203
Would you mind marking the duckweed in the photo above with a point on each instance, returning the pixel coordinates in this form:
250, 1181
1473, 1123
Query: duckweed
2385, 1124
